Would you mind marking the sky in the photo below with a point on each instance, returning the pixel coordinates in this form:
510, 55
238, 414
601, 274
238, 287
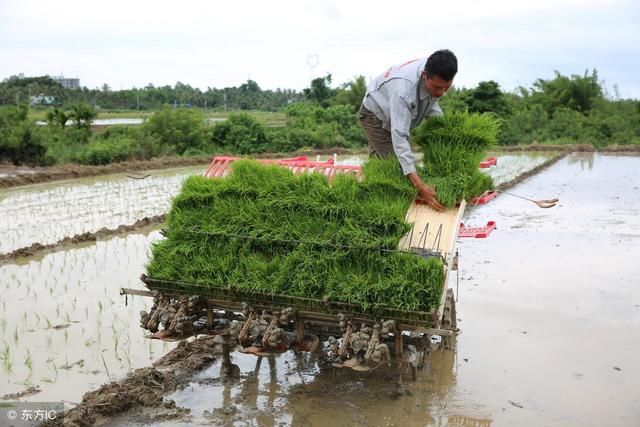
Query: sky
284, 44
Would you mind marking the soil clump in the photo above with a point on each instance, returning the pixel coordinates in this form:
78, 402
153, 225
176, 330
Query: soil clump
142, 391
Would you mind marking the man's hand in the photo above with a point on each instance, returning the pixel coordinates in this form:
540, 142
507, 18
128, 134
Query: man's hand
425, 192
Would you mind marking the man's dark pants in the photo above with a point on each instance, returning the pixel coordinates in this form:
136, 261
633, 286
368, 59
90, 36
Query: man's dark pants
379, 139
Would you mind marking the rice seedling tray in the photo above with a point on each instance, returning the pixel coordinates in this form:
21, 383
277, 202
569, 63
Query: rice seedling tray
235, 299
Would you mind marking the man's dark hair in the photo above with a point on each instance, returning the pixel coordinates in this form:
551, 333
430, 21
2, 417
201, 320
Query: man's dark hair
442, 63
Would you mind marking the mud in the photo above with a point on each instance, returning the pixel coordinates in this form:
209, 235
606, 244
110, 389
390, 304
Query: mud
11, 175
19, 175
142, 392
30, 391
69, 242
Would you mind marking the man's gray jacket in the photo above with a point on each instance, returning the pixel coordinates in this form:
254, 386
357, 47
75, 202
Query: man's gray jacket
399, 99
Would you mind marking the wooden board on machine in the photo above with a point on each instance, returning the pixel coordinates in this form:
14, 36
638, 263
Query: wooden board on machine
432, 231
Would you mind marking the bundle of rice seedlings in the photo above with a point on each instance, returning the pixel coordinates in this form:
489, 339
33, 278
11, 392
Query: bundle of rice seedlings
264, 229
453, 146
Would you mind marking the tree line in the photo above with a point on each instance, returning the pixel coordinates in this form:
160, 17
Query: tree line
247, 96
561, 110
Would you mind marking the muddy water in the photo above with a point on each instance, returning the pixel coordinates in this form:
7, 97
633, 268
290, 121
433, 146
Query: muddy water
64, 327
549, 307
550, 303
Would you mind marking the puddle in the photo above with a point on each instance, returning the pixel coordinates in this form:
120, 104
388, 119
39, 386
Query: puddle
299, 389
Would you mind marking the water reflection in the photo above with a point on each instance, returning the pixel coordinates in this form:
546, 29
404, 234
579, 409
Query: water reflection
303, 389
584, 159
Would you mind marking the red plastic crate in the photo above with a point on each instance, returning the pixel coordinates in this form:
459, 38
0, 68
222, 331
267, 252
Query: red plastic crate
484, 198
490, 161
220, 166
477, 232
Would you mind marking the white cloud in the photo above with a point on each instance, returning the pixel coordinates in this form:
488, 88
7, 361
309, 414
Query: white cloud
217, 44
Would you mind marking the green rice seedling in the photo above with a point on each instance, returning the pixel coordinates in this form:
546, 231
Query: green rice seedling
127, 352
6, 358
264, 229
116, 341
28, 361
54, 368
54, 371
453, 145
16, 336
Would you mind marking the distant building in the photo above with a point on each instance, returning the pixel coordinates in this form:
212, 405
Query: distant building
42, 100
66, 82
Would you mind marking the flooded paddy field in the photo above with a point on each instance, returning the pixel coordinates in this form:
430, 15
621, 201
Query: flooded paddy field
64, 327
549, 309
550, 303
47, 213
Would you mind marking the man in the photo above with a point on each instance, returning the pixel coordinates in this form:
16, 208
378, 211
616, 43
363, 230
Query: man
397, 101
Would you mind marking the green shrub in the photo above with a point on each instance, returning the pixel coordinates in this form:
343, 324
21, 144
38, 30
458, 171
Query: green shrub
105, 152
19, 140
241, 134
178, 129
310, 125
